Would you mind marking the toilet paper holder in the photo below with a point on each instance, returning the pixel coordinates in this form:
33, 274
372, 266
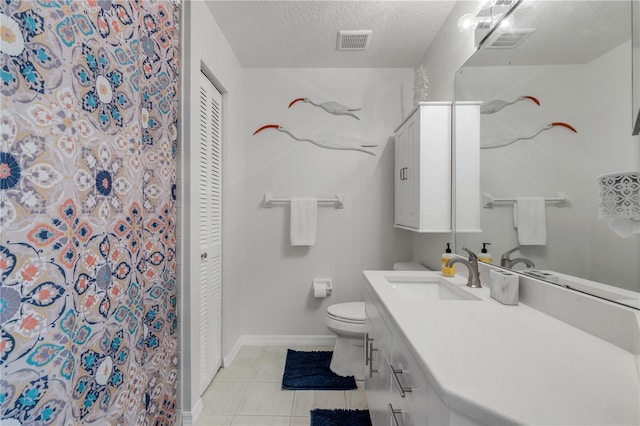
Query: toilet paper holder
321, 287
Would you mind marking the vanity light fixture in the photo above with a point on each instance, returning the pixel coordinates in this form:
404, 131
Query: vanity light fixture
485, 20
469, 21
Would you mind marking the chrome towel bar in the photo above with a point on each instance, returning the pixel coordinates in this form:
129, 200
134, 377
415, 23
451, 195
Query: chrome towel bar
488, 201
269, 200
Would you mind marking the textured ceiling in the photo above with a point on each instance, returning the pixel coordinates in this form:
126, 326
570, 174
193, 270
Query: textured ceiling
304, 33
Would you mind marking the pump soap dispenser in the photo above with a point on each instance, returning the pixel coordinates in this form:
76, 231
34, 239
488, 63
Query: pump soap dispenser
484, 255
446, 256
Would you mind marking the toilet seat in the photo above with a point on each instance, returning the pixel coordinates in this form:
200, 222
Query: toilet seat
349, 312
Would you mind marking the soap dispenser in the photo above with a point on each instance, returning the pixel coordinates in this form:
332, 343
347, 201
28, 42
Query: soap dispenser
446, 256
484, 255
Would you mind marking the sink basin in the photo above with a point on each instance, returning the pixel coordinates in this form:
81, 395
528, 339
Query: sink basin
428, 288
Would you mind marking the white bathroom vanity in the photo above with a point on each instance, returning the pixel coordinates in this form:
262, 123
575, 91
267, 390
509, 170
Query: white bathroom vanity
440, 353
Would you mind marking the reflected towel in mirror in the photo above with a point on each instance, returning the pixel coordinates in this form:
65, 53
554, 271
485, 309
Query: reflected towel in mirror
530, 219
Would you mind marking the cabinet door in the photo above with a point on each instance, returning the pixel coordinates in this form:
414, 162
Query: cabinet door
407, 173
377, 374
401, 195
412, 177
434, 160
378, 385
467, 178
377, 377
423, 169
409, 387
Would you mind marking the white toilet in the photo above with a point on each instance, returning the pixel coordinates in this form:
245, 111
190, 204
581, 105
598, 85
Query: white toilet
347, 321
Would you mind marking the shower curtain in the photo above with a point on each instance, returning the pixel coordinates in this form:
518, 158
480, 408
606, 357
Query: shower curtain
88, 134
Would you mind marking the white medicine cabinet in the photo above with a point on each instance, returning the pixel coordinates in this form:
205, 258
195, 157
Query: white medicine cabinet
428, 184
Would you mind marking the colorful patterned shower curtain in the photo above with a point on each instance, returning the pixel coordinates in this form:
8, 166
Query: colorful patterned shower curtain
87, 211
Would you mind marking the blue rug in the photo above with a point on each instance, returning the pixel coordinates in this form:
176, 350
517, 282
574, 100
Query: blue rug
310, 371
340, 418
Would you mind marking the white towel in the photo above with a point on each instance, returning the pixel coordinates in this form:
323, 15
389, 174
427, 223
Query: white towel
531, 220
304, 218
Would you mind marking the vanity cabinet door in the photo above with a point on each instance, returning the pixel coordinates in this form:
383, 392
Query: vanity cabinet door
410, 389
377, 374
378, 386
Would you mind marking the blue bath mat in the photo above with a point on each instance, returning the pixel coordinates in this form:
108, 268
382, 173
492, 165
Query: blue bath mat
310, 371
340, 418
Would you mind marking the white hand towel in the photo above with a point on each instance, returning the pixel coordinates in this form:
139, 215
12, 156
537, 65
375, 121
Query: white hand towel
531, 221
304, 218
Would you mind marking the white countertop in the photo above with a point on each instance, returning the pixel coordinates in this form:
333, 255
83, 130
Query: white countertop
502, 364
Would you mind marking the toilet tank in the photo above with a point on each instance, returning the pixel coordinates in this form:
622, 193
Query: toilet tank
409, 266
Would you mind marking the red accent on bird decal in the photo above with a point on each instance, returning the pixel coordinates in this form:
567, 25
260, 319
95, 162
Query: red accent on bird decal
296, 100
568, 126
496, 105
268, 126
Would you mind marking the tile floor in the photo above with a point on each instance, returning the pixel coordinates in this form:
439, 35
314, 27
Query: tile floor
248, 392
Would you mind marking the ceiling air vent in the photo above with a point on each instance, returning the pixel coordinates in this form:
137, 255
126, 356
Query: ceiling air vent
354, 40
509, 38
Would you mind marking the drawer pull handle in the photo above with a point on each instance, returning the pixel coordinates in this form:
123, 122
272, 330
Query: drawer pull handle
367, 355
402, 389
393, 414
371, 351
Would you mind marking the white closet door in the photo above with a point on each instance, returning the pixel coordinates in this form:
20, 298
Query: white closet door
210, 191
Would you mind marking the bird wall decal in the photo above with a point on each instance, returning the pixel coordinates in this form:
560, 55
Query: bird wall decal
331, 107
327, 142
547, 127
496, 105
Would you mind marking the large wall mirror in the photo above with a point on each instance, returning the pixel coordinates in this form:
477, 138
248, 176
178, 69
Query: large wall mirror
557, 115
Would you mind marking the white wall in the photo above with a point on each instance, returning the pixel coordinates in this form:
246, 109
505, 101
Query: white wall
277, 277
579, 243
206, 48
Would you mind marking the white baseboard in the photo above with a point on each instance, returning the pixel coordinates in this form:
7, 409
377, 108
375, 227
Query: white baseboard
228, 359
278, 340
189, 418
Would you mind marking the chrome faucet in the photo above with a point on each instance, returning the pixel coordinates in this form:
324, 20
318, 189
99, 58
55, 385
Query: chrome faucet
505, 259
527, 262
472, 265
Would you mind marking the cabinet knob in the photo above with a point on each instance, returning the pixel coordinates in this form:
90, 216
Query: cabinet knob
203, 255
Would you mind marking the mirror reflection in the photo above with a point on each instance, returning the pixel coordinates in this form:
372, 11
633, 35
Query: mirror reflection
556, 118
